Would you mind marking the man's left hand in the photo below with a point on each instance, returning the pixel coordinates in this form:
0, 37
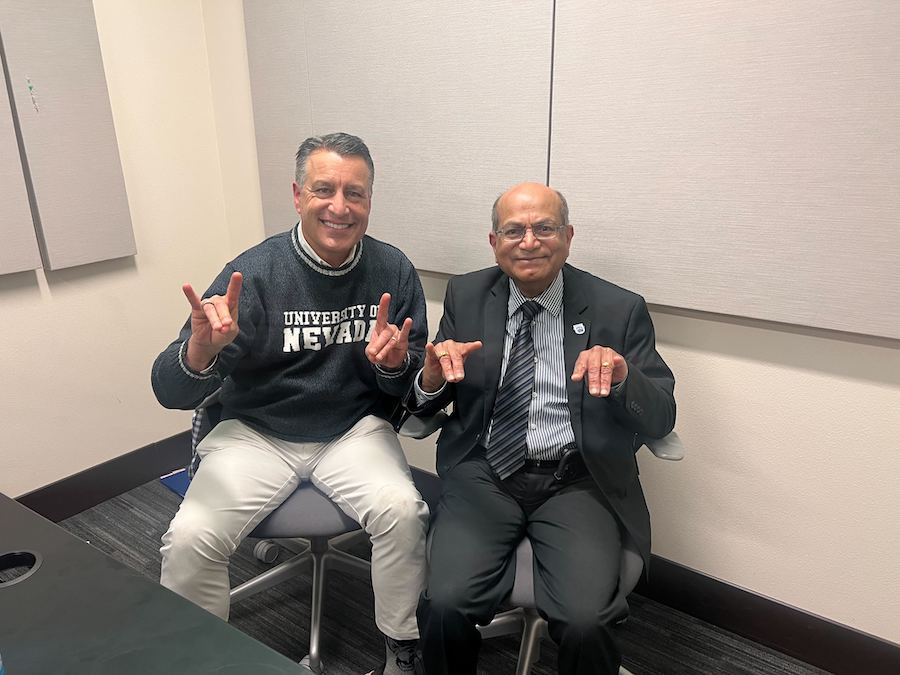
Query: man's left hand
604, 367
389, 344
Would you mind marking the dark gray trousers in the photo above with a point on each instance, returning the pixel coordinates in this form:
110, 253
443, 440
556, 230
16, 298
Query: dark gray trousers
577, 548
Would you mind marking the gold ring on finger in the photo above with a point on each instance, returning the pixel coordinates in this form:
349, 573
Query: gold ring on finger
442, 355
605, 364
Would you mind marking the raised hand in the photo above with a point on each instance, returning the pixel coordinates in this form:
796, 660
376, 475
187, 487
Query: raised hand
604, 367
214, 322
445, 362
388, 344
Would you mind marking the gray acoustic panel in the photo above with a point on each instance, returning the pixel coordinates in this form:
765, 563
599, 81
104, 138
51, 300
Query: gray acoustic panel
18, 245
736, 157
452, 99
59, 87
279, 84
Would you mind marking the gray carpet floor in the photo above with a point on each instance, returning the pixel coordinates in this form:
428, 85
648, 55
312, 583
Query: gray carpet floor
655, 639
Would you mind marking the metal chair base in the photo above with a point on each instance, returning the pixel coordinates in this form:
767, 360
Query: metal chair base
529, 624
321, 555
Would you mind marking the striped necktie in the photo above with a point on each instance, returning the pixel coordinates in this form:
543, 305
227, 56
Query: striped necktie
506, 453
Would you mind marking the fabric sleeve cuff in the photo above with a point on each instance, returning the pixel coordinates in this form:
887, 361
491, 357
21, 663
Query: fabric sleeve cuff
617, 391
204, 374
393, 373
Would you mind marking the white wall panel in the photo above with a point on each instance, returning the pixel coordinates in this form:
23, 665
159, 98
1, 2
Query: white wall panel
18, 245
279, 83
741, 158
452, 99
59, 86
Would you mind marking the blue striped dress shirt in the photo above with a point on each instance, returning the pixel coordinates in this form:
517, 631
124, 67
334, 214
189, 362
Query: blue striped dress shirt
549, 423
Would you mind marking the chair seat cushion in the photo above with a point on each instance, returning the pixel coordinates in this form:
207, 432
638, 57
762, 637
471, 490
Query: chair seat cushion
522, 594
306, 513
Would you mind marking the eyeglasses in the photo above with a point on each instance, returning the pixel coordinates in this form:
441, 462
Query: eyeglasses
542, 231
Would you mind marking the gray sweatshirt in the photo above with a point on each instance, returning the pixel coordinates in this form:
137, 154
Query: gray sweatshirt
297, 370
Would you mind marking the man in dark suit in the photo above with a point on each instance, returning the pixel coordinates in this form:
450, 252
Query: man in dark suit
555, 381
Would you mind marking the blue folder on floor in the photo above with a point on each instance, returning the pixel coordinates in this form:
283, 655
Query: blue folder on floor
177, 481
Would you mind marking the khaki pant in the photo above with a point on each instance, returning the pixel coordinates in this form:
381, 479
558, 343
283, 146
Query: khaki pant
244, 475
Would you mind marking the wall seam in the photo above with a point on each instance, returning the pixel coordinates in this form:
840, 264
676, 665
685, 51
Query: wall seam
550, 105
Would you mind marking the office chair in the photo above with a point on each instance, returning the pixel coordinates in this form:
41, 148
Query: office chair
308, 515
524, 618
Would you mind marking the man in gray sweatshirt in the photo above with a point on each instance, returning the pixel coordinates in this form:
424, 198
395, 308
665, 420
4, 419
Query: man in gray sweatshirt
310, 335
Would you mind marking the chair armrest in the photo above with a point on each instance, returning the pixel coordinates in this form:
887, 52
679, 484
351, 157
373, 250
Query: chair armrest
422, 427
668, 447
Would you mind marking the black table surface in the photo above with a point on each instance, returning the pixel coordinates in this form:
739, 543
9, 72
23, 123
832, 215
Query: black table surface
83, 612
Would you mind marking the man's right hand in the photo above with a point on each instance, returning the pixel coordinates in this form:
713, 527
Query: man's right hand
214, 322
444, 362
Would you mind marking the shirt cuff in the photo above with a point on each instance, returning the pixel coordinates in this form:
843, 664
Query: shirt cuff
422, 397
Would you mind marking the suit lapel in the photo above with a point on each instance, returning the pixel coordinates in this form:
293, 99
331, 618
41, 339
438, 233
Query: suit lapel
494, 334
576, 332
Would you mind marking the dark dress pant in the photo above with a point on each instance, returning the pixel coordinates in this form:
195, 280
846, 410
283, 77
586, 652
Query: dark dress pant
577, 544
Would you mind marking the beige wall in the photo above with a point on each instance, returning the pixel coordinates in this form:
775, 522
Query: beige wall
790, 484
78, 344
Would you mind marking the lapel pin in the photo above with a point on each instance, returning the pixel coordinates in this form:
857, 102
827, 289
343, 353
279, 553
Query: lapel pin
578, 328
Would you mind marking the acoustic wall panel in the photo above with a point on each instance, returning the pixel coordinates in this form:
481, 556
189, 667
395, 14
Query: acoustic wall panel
741, 158
279, 83
452, 99
18, 245
59, 89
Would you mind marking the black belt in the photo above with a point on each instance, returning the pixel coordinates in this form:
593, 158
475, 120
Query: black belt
540, 464
568, 467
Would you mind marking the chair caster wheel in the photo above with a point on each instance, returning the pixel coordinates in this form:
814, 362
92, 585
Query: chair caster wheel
321, 671
265, 551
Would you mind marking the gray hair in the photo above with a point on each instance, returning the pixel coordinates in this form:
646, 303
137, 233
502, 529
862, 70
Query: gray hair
343, 144
563, 211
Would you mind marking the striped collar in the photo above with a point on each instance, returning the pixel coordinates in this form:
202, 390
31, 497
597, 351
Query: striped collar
551, 299
311, 258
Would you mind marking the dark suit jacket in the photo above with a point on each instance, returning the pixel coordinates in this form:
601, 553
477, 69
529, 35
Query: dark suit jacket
607, 430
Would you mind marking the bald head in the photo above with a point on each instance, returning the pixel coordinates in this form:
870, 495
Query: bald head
531, 190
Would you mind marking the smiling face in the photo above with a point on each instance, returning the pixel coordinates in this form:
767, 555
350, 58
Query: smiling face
334, 203
532, 263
